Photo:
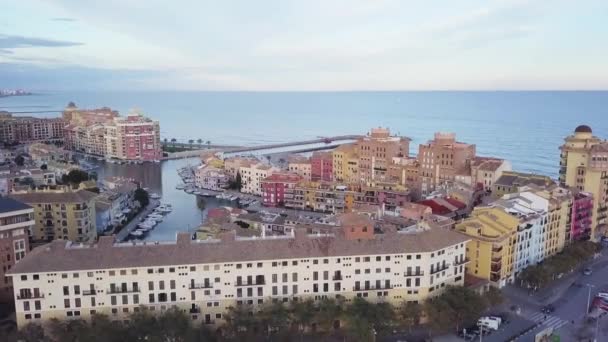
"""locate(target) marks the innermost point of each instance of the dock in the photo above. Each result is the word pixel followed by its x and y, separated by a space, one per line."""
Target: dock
pixel 326 140
pixel 132 225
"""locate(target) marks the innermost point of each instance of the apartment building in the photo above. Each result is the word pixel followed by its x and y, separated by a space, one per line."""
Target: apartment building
pixel 211 178
pixel 65 280
pixel 233 165
pixel 252 176
pixel 16 221
pixel 346 164
pixel 442 159
pixel 485 171
pixel 25 129
pixel 492 248
pixel 511 182
pixel 103 132
pixel 407 172
pixel 321 166
pixel 43 154
pixel 584 166
pixel 581 216
pixel 376 152
pixel 300 166
pixel 279 187
pixel 61 214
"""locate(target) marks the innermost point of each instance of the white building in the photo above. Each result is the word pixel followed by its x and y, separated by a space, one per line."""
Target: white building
pixel 211 178
pixel 252 176
pixel 64 280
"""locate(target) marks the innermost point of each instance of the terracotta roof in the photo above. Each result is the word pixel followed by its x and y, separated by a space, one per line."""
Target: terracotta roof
pixel 54 196
pixel 60 255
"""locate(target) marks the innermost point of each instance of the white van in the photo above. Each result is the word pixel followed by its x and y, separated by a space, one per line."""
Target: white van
pixel 489 323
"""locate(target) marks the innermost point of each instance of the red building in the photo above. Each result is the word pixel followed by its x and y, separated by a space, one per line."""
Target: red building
pixel 277 187
pixel 16 220
pixel 582 210
pixel 139 138
pixel 321 166
pixel 445 206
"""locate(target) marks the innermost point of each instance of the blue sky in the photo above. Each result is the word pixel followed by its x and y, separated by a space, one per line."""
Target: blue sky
pixel 304 45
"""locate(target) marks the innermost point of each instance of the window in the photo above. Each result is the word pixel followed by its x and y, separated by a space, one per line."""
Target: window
pixel 125 300
pixel 26 306
pixel 112 273
pixel 113 300
pixel 151 285
pixel 150 271
pixel 285 276
pixel 37 305
pixel 66 290
pixel 294 277
pixel 161 285
pixel 66 303
pixel 76 289
pixel 172 284
pixel 171 269
pixel 151 298
pixel 275 291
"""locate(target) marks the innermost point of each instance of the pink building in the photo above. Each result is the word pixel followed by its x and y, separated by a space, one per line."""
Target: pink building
pixel 278 187
pixel 582 210
pixel 321 166
pixel 138 137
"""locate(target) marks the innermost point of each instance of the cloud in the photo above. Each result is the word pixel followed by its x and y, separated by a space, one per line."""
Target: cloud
pixel 64 19
pixel 14 41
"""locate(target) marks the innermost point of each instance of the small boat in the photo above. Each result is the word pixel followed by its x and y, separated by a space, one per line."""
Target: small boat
pixel 180 187
pixel 137 233
pixel 197 192
pixel 154 196
pixel 206 194
pixel 234 198
pixel 220 196
pixel 189 191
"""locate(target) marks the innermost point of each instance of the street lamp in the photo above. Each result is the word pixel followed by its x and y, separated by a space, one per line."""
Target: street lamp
pixel 589 286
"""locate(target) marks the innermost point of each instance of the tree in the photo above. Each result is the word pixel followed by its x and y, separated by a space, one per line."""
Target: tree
pixel 19 160
pixel 199 141
pixel 191 141
pixel 173 141
pixel 456 306
pixel 75 177
pixel 273 317
pixel 328 312
pixel 493 297
pixel 165 141
pixel 302 314
pixel 142 197
pixel 239 321
pixel 32 332
pixel 410 313
pixel 44 167
pixel 208 143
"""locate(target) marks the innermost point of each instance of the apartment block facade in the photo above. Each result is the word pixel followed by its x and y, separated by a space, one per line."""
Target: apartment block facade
pixel 64 280
pixel 26 129
pixel 376 152
pixel 16 221
pixel 278 188
pixel 581 216
pixel 321 166
pixel 442 159
pixel 252 176
pixel 300 166
pixel 64 214
pixel 584 166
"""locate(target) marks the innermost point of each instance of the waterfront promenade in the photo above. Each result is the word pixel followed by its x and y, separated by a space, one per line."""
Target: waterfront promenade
pixel 123 234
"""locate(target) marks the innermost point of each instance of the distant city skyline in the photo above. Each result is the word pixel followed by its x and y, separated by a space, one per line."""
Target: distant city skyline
pixel 304 45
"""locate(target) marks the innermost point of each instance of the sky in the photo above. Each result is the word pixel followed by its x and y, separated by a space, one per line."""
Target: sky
pixel 311 45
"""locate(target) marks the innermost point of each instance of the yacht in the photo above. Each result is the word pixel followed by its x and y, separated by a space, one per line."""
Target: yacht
pixel 154 196
pixel 137 233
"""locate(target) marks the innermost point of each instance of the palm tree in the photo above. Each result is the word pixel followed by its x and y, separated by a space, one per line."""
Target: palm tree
pixel 191 141
pixel 208 143
pixel 173 141
pixel 199 141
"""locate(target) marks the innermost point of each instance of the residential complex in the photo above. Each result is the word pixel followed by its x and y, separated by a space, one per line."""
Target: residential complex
pixel 376 152
pixel 584 166
pixel 442 159
pixel 26 129
pixel 210 177
pixel 16 221
pixel 61 213
pixel 102 132
pixel 66 280
pixel 300 166
pixel 252 176
pixel 511 182
pixel 279 188
pixel 321 166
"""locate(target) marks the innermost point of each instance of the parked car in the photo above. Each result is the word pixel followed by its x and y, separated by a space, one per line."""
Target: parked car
pixel 587 271
pixel 489 323
pixel 548 309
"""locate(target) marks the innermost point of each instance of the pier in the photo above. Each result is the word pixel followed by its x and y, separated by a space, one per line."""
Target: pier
pixel 304 144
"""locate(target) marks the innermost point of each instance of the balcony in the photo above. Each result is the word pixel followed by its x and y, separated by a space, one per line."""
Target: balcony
pixel 440 269
pixel 193 286
pixel 119 290
pixel 414 274
pixel 89 292
pixel 195 310
pixel 462 262
pixel 250 284
pixel 31 296
pixel 336 277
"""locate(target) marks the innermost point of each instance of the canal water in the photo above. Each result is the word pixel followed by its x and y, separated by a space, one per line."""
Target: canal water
pixel 189 211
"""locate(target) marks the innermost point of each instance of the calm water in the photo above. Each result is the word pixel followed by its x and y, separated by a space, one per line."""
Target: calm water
pixel 188 211
pixel 524 127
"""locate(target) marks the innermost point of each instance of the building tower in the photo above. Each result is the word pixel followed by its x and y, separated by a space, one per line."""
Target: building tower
pixel 584 166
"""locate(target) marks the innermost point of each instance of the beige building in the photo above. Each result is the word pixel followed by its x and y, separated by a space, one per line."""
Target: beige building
pixel 252 176
pixel 232 165
pixel 64 214
pixel 442 159
pixel 346 163
pixel 300 166
pixel 64 280
pixel 584 166
pixel 486 171
pixel 376 152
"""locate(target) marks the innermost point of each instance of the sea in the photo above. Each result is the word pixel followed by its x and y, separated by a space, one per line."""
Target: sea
pixel 525 127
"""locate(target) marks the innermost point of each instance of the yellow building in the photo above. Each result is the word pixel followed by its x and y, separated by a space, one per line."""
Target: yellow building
pixel 511 182
pixel 345 163
pixel 61 214
pixel 491 250
pixel 584 166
